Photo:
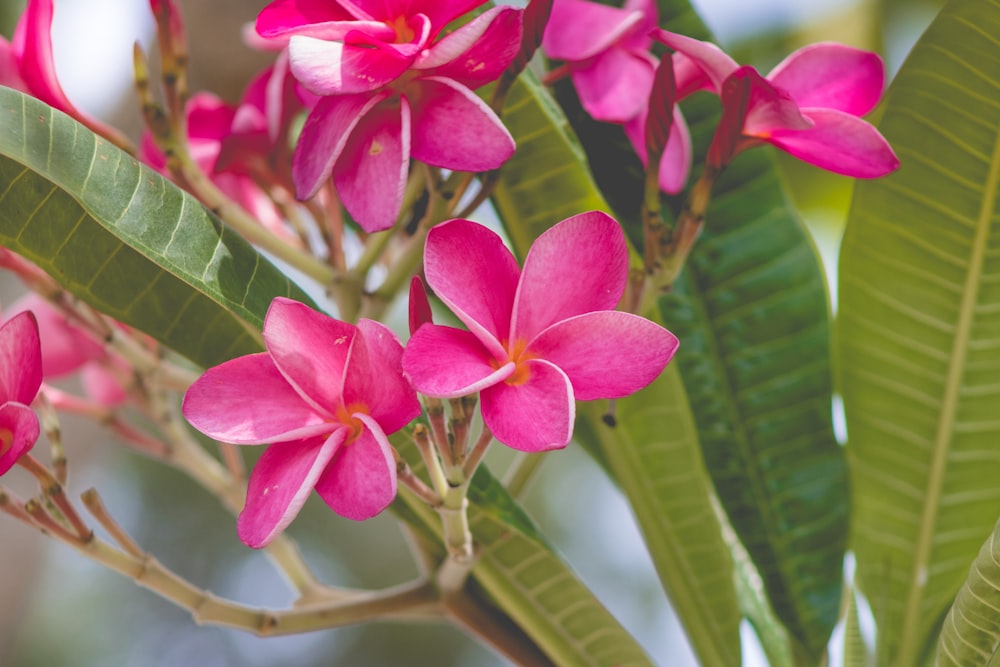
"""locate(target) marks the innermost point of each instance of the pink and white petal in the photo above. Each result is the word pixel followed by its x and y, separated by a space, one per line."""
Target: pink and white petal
pixel 578 29
pixel 20 359
pixel 280 483
pixel 474 273
pixel 841 143
pixel 834 76
pixel 769 109
pixel 246 401
pixel 310 350
pixel 614 87
pixel 325 134
pixel 65 347
pixel 577 266
pixel 453 128
pixel 19 430
pixel 448 363
pixel 479 51
pixel 675 163
pixel 283 17
pixel 608 354
pixel 375 377
pixel 361 480
pixel 713 61
pixel 534 416
pixel 370 175
pixel 335 68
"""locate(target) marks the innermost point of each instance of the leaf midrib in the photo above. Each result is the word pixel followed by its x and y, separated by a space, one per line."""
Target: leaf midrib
pixel 909 640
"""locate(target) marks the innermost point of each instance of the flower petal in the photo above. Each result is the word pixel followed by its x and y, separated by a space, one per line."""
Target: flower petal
pixel 453 128
pixel 310 350
pixel 614 87
pixel 675 163
pixel 102 385
pixel 324 136
pixel 370 175
pixel 608 354
pixel 479 51
pixel 320 18
pixel 280 483
pixel 375 377
pixel 841 143
pixel 336 68
pixel 246 401
pixel 833 76
pixel 19 431
pixel 474 273
pixel 577 266
pixel 20 359
pixel 420 312
pixel 10 70
pixel 65 347
pixel 769 109
pixel 713 61
pixel 534 416
pixel 448 363
pixel 440 12
pixel 578 29
pixel 361 480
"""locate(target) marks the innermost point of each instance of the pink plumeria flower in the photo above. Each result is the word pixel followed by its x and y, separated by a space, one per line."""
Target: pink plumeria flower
pixel 20 378
pixel 390 92
pixel 809 106
pixel 27 64
pixel 539 338
pixel 326 393
pixel 67 349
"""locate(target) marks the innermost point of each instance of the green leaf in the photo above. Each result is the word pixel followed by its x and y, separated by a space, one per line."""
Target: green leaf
pixel 127 241
pixel 653 454
pixel 971 633
pixel 528 581
pixel 917 333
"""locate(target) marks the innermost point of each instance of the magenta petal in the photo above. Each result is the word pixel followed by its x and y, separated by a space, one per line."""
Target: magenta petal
pixel 361 480
pixel 577 266
pixel 10 70
pixel 832 76
pixel 534 416
pixel 614 87
pixel 310 350
pixel 440 12
pixel 324 136
pixel 675 163
pixel 769 109
pixel 370 175
pixel 608 354
pixel 101 385
pixel 474 273
pixel 20 359
pixel 479 51
pixel 19 431
pixel 280 484
pixel 579 29
pixel 448 363
pixel 375 378
pixel 246 401
pixel 453 128
pixel 841 143
pixel 64 347
pixel 32 43
pixel 335 68
pixel 284 16
pixel 713 61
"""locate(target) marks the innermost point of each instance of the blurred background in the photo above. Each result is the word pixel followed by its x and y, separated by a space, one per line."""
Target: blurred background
pixel 58 609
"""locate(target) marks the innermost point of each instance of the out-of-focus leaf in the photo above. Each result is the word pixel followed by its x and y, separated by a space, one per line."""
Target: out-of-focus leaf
pixel 971 633
pixel 918 334
pixel 127 241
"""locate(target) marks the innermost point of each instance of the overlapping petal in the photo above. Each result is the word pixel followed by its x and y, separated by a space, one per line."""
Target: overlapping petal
pixel 478 52
pixel 361 480
pixel 714 63
pixel 335 68
pixel 375 377
pixel 577 266
pixel 474 273
pixel 280 484
pixel 833 76
pixel 448 362
pixel 595 27
pixel 320 18
pixel 606 354
pixel 246 401
pixel 533 416
pixel 19 430
pixel 454 128
pixel 615 87
pixel 20 359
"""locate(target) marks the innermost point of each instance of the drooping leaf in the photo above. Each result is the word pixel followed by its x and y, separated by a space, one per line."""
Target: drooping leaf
pixel 127 241
pixel 917 333
pixel 653 453
pixel 971 633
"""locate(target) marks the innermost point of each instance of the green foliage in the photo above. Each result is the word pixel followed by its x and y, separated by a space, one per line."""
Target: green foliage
pixel 918 330
pixel 127 241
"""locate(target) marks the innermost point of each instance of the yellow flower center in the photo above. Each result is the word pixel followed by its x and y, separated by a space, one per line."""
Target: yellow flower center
pixel 345 415
pixel 518 355
pixel 404 33
pixel 6 440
